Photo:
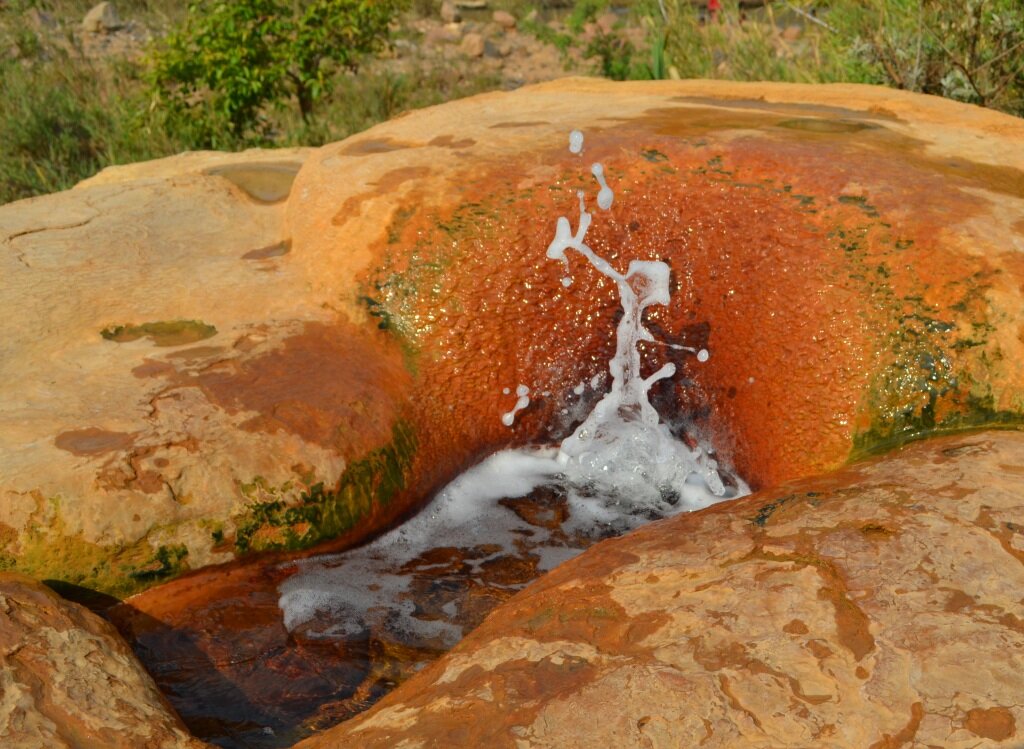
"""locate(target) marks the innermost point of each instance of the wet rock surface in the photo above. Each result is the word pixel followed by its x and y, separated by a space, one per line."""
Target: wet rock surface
pixel 878 606
pixel 216 644
pixel 67 680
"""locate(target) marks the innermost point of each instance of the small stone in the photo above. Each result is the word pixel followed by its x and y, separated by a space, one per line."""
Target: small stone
pixel 102 19
pixel 449 34
pixel 606 22
pixel 472 45
pixel 450 12
pixel 497 49
pixel 504 19
pixel 792 33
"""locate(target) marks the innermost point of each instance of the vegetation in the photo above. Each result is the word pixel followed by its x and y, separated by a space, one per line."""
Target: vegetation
pixel 230 75
pixel 230 60
pixel 971 51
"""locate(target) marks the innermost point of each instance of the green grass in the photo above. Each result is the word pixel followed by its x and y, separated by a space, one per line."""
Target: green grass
pixel 65 117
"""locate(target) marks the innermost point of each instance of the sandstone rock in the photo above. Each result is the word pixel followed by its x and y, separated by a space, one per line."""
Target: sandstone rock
pixel 101 19
pixel 849 255
pixel 472 45
pixel 68 680
pixel 504 19
pixel 448 34
pixel 876 607
pixel 154 433
pixel 881 308
pixel 450 12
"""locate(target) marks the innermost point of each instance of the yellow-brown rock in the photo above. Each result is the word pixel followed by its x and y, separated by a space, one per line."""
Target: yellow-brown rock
pixel 249 358
pixel 165 373
pixel 68 681
pixel 877 607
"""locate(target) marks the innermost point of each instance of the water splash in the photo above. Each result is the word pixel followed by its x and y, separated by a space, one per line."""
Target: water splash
pixel 576 142
pixel 622 448
pixel 522 401
pixel 620 468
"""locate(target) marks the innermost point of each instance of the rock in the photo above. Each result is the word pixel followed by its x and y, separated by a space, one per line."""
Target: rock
pixel 504 19
pixel 607 22
pixel 472 45
pixel 471 4
pixel 792 33
pixel 497 48
pixel 247 364
pixel 450 12
pixel 101 19
pixel 876 607
pixel 448 34
pixel 818 237
pixel 835 237
pixel 70 681
pixel 172 405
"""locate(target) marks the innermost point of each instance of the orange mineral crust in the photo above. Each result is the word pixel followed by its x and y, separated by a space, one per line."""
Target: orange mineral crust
pixel 838 310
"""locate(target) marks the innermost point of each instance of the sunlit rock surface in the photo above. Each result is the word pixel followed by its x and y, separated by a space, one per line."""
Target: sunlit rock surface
pixel 219 353
pixel 879 606
pixel 166 375
pixel 68 681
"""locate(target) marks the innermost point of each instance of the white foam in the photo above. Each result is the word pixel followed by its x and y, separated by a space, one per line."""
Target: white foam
pixel 336 589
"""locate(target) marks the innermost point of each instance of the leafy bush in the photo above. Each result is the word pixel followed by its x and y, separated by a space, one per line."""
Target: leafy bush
pixel 971 51
pixel 232 59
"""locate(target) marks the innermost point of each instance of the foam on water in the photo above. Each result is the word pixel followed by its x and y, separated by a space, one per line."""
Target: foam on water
pixel 620 467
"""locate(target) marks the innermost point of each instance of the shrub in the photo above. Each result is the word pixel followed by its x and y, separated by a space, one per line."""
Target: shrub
pixel 972 51
pixel 230 60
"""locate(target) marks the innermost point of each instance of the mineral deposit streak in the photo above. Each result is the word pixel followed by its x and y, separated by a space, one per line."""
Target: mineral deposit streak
pixel 622 466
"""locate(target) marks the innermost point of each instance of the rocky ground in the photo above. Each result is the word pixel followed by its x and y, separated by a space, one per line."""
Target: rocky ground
pixel 466 35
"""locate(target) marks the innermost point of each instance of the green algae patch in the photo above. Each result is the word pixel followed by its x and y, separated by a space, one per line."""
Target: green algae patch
pixel 164 333
pixel 167 562
pixel 322 514
pixel 115 570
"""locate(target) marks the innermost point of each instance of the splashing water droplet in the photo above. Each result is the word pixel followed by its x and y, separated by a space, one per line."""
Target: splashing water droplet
pixel 508 419
pixel 605 196
pixel 576 142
